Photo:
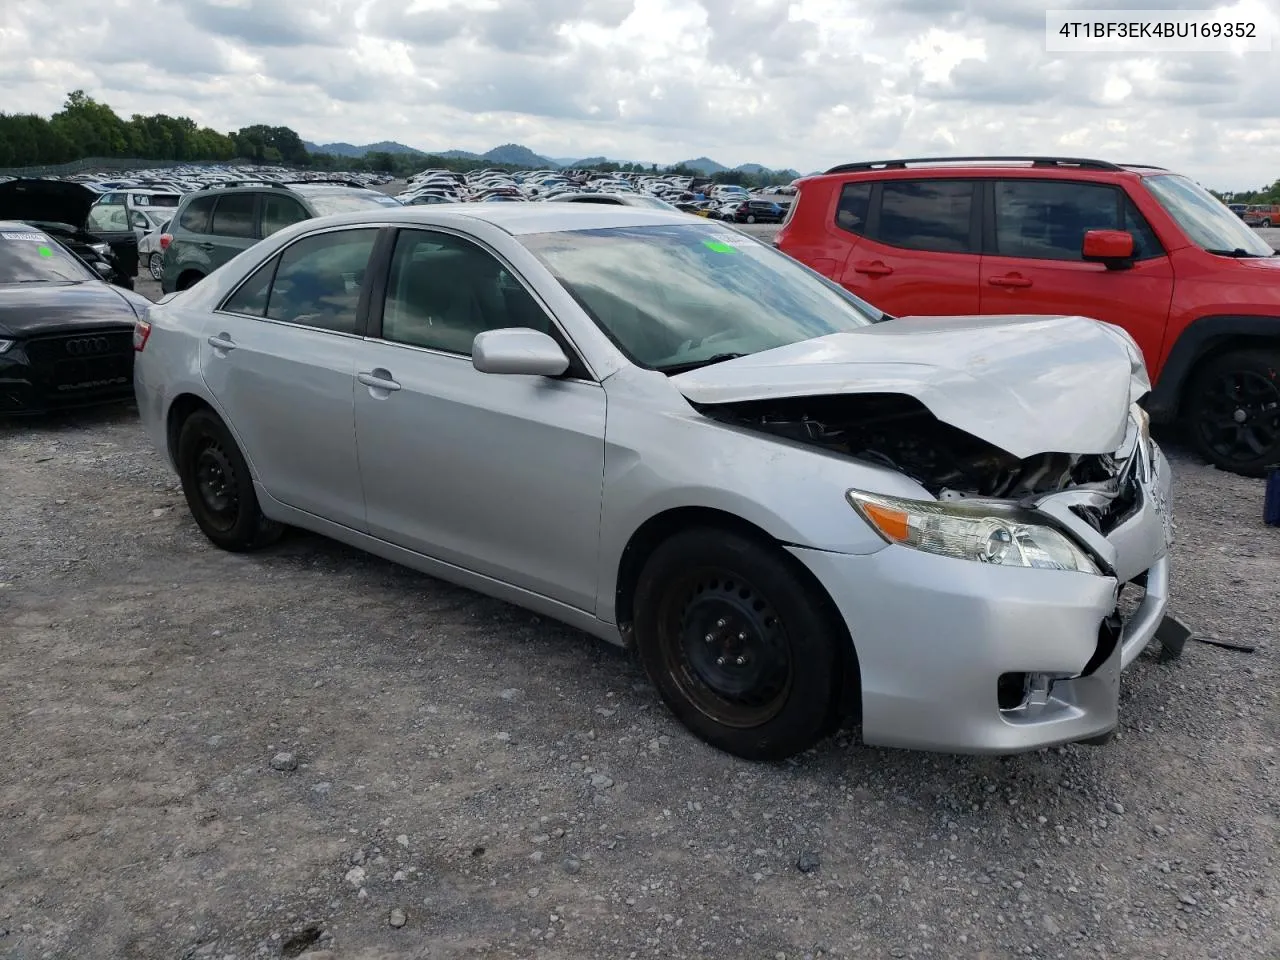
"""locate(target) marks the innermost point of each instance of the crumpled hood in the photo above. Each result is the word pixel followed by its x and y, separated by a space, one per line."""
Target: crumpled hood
pixel 1027 384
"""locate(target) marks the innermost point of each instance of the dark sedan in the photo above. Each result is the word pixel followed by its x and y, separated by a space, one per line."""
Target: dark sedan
pixel 66 336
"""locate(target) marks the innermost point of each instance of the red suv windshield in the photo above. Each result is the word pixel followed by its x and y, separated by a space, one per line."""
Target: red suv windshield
pixel 1205 219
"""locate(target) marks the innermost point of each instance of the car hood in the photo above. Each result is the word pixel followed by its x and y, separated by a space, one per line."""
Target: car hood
pixel 31 309
pixel 1027 384
pixel 58 201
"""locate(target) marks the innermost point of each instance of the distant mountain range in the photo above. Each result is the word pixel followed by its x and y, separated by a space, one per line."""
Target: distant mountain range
pixel 516 155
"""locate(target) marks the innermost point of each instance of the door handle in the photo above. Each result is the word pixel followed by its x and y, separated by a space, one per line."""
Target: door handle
pixel 1012 280
pixel 222 341
pixel 874 268
pixel 378 379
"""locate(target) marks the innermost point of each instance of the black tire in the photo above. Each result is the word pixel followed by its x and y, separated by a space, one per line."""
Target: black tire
pixel 155 265
pixel 219 488
pixel 783 695
pixel 1266 224
pixel 1233 411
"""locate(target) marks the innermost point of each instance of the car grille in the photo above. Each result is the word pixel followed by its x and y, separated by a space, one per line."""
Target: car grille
pixel 83 363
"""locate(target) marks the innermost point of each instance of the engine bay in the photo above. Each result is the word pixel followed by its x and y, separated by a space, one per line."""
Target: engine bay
pixel 899 432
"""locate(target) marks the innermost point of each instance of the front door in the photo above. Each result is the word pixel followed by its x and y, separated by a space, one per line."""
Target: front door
pixel 500 475
pixel 279 358
pixel 1036 264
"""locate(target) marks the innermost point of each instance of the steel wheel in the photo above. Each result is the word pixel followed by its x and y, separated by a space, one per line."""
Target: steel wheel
pixel 725 647
pixel 217 482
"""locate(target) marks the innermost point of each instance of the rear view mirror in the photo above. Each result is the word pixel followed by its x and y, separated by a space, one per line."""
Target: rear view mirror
pixel 518 350
pixel 1114 248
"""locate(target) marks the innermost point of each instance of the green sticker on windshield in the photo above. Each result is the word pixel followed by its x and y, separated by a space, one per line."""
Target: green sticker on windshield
pixel 45 251
pixel 719 246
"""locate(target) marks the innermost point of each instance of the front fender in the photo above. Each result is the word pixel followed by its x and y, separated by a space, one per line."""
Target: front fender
pixel 1198 339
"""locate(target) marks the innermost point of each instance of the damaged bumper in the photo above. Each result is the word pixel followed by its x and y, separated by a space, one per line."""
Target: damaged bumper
pixel 968 657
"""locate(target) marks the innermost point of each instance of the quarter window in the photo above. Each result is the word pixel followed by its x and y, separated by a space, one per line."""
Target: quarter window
pixel 444 290
pixel 279 211
pixel 233 217
pixel 927 215
pixel 198 215
pixel 319 280
pixel 1047 219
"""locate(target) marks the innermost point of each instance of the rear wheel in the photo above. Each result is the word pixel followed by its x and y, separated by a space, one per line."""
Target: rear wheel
pixel 744 650
pixel 219 488
pixel 1266 223
pixel 155 264
pixel 1233 411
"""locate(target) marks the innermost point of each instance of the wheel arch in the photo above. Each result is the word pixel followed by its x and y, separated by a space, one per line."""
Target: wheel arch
pixel 1200 342
pixel 660 527
pixel 188 279
pixel 182 406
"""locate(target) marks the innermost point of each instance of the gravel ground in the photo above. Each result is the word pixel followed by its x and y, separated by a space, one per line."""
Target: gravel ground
pixel 310 752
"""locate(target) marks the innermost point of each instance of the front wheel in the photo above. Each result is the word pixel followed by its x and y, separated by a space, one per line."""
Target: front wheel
pixel 1233 411
pixel 155 264
pixel 1266 223
pixel 219 487
pixel 743 649
pixel 751 218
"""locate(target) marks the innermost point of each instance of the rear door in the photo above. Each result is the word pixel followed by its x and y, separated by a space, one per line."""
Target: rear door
pixel 108 220
pixel 279 357
pixel 1034 235
pixel 919 247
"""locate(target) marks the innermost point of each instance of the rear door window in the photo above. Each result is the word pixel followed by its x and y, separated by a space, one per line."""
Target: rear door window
pixel 320 279
pixel 234 214
pixel 108 217
pixel 932 215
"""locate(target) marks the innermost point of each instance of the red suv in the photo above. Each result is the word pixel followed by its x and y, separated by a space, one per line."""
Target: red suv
pixel 1136 246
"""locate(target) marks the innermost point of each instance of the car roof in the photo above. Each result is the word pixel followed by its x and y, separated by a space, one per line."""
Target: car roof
pixel 518 218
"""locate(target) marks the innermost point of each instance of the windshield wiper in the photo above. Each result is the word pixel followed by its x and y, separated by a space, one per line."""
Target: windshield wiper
pixel 696 364
pixel 1238 252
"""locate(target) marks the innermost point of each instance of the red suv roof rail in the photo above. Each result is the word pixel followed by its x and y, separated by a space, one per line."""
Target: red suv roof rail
pixel 1079 162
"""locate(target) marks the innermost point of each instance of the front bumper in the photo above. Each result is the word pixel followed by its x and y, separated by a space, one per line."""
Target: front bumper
pixel 941 641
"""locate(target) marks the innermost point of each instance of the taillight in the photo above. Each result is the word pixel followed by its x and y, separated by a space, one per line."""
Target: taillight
pixel 164 240
pixel 141 331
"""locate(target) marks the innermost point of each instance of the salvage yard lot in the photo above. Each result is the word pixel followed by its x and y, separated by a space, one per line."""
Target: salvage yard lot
pixel 505 787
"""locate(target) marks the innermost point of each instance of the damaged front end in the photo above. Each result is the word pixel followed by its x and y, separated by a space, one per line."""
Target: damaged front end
pixel 901 433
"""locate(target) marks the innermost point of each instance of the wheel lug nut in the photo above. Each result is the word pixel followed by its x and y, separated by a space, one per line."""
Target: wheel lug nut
pixel 740 661
pixel 721 623
pixel 742 636
pixel 719 661
pixel 710 638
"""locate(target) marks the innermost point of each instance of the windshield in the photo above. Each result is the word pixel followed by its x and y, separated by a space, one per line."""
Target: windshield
pixel 675 296
pixel 1205 218
pixel 30 256
pixel 347 201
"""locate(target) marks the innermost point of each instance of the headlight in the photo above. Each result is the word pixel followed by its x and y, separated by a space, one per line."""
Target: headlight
pixel 5 345
pixel 971 530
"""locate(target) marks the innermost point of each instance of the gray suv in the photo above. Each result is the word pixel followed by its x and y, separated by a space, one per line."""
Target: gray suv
pixel 212 226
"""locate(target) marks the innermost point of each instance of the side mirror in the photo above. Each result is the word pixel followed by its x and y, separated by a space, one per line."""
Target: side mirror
pixel 102 267
pixel 518 350
pixel 1113 248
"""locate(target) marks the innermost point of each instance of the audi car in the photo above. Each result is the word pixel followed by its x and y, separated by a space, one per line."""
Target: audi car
pixel 66 335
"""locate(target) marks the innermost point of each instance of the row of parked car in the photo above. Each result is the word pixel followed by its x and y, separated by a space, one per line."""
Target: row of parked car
pixel 894 468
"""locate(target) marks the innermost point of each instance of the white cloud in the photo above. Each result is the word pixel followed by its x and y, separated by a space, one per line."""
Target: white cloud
pixel 800 83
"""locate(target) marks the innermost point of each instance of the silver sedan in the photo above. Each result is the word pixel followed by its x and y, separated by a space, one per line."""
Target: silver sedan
pixel 672 436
